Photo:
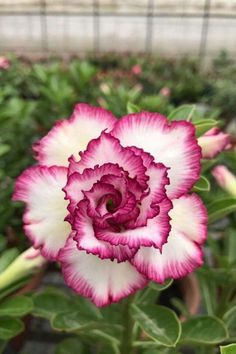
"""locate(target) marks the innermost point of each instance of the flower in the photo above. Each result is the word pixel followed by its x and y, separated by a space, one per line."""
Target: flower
pixel 28 262
pixel 213 142
pixel 165 92
pixel 109 199
pixel 225 179
pixel 4 63
pixel 136 69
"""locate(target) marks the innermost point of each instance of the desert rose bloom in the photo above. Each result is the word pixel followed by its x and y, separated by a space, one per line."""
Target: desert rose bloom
pixel 109 199
pixel 213 142
pixel 225 179
pixel 4 63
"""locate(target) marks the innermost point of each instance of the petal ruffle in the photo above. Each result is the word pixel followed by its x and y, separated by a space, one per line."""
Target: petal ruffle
pixel 155 233
pixel 72 135
pixel 103 281
pixel 106 149
pixel 172 143
pixel 86 239
pixel 182 252
pixel 40 188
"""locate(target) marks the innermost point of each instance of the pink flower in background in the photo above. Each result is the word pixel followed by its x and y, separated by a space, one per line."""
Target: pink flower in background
pixel 165 92
pixel 225 179
pixel 110 200
pixel 213 142
pixel 136 69
pixel 4 63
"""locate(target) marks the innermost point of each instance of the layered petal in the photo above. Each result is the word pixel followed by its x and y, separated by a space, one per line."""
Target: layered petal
pixel 172 143
pixel 41 189
pixel 182 252
pixel 106 149
pixel 213 142
pixel 86 239
pixel 102 281
pixel 81 182
pixel 155 233
pixel 72 135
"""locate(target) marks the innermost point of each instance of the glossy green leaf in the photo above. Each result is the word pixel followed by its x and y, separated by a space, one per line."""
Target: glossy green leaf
pixel 184 112
pixel 132 108
pixel 160 323
pixel 70 321
pixel 230 317
pixel 228 349
pixel 16 306
pixel 10 327
pixel 204 125
pixel 220 208
pixel 204 330
pixel 161 287
pixel 49 303
pixel 68 346
pixel 202 185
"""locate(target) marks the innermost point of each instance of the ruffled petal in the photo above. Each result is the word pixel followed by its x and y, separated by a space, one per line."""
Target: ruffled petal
pixel 102 281
pixel 72 135
pixel 182 252
pixel 172 143
pixel 106 149
pixel 86 240
pixel 40 188
pixel 155 233
pixel 78 183
pixel 149 206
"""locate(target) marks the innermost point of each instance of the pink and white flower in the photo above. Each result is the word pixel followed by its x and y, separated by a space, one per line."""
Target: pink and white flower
pixel 111 201
pixel 213 142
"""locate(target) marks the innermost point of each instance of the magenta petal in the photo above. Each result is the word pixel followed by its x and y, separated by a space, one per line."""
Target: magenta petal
pixel 182 252
pixel 70 136
pixel 106 149
pixel 155 233
pixel 40 187
pixel 77 182
pixel 102 281
pixel 172 143
pixel 86 239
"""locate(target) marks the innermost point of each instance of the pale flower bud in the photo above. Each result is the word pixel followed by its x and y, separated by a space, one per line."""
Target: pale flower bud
pixel 225 179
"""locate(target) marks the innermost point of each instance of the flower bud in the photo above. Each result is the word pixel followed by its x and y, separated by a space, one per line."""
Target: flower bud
pixel 4 63
pixel 213 142
pixel 225 179
pixel 25 264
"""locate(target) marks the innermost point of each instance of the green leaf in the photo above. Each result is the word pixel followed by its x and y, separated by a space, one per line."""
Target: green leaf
pixel 202 185
pixel 132 108
pixel 184 112
pixel 68 346
pixel 49 303
pixel 220 208
pixel 10 327
pixel 160 323
pixel 204 330
pixel 230 317
pixel 70 321
pixel 204 125
pixel 4 148
pixel 16 306
pixel 228 349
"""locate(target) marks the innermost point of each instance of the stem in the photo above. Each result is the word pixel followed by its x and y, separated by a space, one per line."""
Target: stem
pixel 128 323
